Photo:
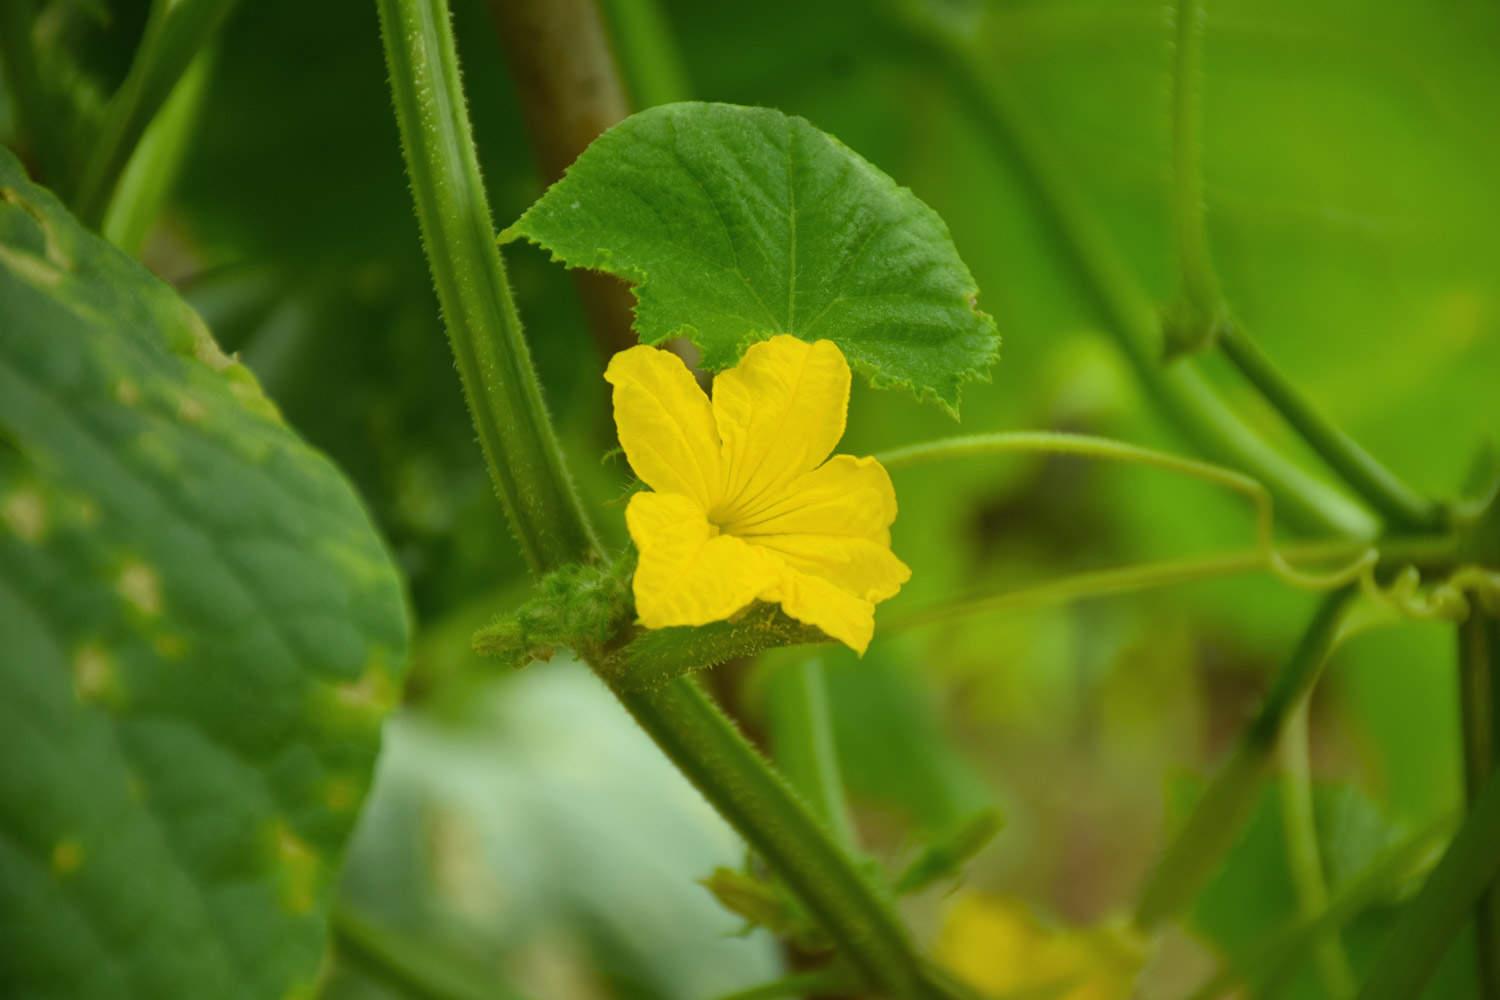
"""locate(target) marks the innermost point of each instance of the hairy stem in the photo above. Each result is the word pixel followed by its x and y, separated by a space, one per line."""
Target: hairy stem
pixel 1378 486
pixel 521 451
pixel 754 799
pixel 484 329
pixel 1198 848
pixel 176 31
pixel 1180 391
pixel 1479 691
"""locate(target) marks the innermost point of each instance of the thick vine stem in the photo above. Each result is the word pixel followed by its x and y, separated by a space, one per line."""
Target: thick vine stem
pixel 1197 849
pixel 755 800
pixel 1479 692
pixel 484 329
pixel 1195 318
pixel 1179 390
pixel 529 472
pixel 1430 923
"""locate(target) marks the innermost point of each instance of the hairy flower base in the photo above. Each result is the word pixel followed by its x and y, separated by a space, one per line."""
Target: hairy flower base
pixel 745 506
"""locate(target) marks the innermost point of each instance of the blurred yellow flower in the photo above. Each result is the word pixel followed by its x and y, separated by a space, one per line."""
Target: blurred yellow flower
pixel 745 506
pixel 997 946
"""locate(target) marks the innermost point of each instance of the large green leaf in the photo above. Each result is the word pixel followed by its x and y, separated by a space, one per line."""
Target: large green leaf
pixel 738 223
pixel 202 634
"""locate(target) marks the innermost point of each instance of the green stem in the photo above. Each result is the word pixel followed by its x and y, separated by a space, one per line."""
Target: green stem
pixel 1394 500
pixel 1200 284
pixel 1110 583
pixel 1180 390
pixel 148 178
pixel 484 329
pixel 1276 956
pixel 1435 551
pixel 411 967
pixel 1204 311
pixel 176 31
pixel 754 799
pixel 1305 857
pixel 1198 848
pixel 1430 922
pixel 521 451
pixel 569 90
pixel 1479 689
pixel 1089 446
pixel 643 39
pixel 802 984
pixel 802 742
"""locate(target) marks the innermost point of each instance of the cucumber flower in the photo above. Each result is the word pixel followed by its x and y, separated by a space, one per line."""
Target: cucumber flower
pixel 745 508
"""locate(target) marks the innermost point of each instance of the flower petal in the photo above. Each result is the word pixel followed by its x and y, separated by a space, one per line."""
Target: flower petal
pixel 867 570
pixel 814 601
pixel 779 412
pixel 846 497
pixel 688 573
pixel 666 424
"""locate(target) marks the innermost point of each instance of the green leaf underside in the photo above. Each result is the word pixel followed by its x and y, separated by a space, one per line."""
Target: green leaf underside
pixel 735 224
pixel 201 636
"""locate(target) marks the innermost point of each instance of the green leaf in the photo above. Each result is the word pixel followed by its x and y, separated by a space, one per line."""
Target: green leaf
pixel 736 223
pixel 202 635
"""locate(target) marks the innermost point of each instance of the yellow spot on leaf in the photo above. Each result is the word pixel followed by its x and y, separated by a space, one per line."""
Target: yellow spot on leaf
pixel 341 794
pixel 1000 948
pixel 140 586
pixel 191 410
pixel 33 270
pixel 25 513
pixel 300 866
pixel 67 857
pixel 374 693
pixel 127 393
pixel 94 675
pixel 169 645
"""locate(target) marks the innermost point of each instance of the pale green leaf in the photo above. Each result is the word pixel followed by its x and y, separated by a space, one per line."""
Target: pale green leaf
pixel 201 636
pixel 737 223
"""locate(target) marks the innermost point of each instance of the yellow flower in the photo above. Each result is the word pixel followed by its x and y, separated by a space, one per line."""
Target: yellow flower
pixel 745 506
pixel 999 947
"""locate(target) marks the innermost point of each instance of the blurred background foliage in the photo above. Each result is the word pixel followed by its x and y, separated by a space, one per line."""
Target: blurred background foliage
pixel 1349 156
